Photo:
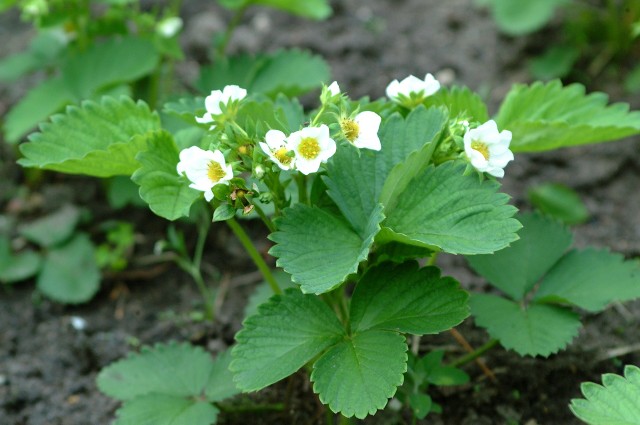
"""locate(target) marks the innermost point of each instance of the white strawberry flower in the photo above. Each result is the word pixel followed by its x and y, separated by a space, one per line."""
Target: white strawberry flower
pixel 488 149
pixel 169 27
pixel 225 96
pixel 312 146
pixel 277 148
pixel 412 91
pixel 334 89
pixel 362 130
pixel 204 169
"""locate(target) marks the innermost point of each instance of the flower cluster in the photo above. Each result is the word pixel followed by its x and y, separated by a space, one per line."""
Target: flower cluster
pixel 305 150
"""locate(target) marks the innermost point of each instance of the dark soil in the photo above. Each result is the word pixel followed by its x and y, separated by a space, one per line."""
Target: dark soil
pixel 48 367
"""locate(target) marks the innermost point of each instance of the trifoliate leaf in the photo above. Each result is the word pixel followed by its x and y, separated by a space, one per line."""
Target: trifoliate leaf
pixel 167 193
pixel 356 178
pixel 288 331
pixel 107 64
pixel 161 409
pixel 168 384
pixel 443 209
pixel 36 106
pixel 460 102
pixel 53 228
pixel 549 116
pixel 591 279
pixel 615 402
pixel 559 201
pixel 96 139
pixel 69 273
pixel 16 267
pixel 535 330
pixel 180 370
pixel 357 376
pixel 404 298
pixel 515 269
pixel 319 249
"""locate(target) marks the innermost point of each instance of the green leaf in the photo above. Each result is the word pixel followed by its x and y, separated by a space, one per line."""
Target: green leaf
pixel 416 162
pixel 537 330
pixel 549 116
pixel 96 139
pixel 404 298
pixel 39 103
pixel 420 404
pixel 355 178
pixel 516 269
pixel 17 267
pixel 460 102
pixel 288 331
pixel 107 64
pixel 443 376
pixel 186 108
pixel 319 249
pixel 591 279
pixel 520 18
pixel 168 384
pixel 292 72
pixel 357 376
pixel 446 210
pixel 560 202
pixel 177 370
pixel 556 62
pixel 314 9
pixel 263 292
pixel 42 52
pixel 615 402
pixel 53 228
pixel 161 409
pixel 70 273
pixel 167 193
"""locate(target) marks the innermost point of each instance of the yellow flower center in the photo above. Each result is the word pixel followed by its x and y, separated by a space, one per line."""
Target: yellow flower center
pixel 481 147
pixel 350 128
pixel 309 148
pixel 215 172
pixel 281 155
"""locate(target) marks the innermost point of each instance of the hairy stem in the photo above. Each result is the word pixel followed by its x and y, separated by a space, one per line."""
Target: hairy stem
pixel 254 254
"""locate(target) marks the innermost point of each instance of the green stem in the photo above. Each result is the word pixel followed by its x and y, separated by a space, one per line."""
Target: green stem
pixel 266 220
pixel 475 354
pixel 254 254
pixel 235 21
pixel 196 275
pixel 301 181
pixel 432 259
pixel 318 115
